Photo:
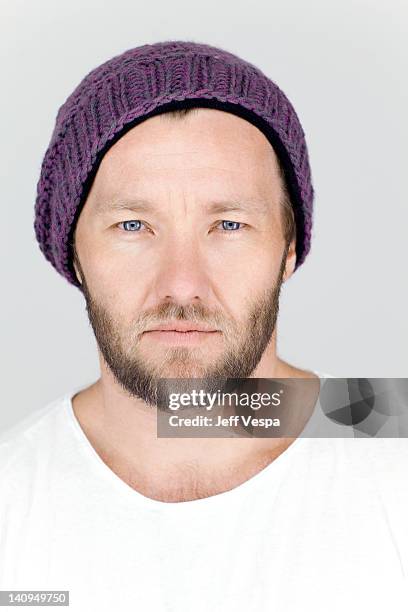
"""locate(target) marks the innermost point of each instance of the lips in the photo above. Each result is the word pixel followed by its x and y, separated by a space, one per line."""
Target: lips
pixel 173 338
pixel 182 327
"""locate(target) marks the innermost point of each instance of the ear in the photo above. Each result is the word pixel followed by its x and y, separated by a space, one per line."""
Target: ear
pixel 76 259
pixel 77 273
pixel 76 262
pixel 290 260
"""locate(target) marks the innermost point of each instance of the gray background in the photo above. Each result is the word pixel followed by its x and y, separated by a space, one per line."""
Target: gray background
pixel 344 67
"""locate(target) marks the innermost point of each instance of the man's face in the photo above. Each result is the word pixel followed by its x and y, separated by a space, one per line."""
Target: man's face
pixel 183 224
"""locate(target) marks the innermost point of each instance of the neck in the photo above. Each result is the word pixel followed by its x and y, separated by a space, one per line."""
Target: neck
pixel 123 431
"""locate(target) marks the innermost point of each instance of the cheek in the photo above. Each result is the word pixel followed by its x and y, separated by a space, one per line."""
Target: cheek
pixel 117 285
pixel 248 269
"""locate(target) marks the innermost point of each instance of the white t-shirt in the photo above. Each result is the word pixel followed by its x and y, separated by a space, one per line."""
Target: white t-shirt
pixel 324 527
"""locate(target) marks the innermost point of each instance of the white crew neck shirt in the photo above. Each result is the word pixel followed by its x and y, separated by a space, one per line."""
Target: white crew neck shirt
pixel 322 527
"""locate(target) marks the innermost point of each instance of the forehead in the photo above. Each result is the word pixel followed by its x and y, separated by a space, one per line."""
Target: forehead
pixel 164 141
pixel 213 153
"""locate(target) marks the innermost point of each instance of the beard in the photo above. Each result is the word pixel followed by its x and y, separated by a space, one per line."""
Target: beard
pixel 152 380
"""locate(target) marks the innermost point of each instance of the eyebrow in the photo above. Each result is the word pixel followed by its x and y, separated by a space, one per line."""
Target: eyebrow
pixel 258 205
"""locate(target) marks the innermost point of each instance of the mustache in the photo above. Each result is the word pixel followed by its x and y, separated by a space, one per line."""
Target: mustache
pixel 196 314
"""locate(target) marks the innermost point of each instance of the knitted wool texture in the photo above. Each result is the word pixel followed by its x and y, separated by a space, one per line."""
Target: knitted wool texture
pixel 142 82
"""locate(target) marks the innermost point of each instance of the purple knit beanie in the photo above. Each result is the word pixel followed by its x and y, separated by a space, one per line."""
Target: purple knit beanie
pixel 140 83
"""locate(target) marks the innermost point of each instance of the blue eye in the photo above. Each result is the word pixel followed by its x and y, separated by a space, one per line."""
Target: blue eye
pixel 231 223
pixel 131 226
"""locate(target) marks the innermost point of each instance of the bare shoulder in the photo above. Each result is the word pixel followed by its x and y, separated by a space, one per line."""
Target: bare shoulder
pixel 287 370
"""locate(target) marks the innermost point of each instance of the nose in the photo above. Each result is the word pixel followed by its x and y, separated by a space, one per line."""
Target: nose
pixel 183 276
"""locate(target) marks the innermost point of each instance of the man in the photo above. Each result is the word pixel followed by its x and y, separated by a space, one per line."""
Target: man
pixel 176 194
